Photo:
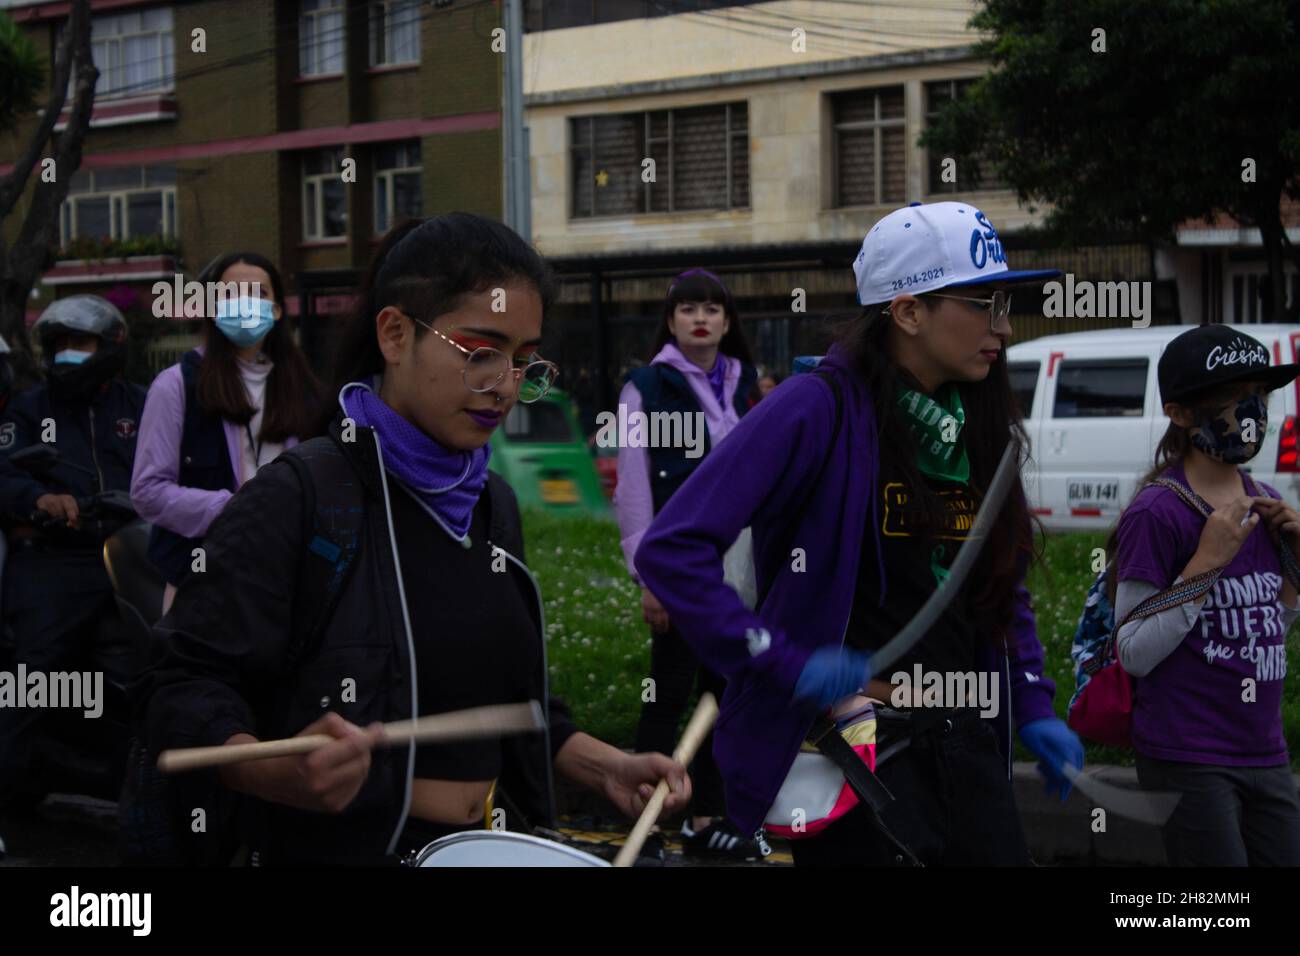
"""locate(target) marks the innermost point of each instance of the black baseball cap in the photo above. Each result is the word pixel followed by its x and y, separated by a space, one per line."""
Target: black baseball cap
pixel 1212 355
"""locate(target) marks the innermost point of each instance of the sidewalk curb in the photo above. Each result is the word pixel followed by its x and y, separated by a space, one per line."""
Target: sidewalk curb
pixel 1057 832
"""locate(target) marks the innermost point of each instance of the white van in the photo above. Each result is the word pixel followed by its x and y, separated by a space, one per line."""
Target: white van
pixel 1093 413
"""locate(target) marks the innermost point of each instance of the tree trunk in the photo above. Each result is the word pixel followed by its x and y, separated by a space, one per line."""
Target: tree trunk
pixel 22 264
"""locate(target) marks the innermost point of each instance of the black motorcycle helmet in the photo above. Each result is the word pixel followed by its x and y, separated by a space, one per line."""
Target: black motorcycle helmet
pixel 81 315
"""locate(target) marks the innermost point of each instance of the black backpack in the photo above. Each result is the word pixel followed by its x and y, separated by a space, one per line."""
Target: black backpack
pixel 154 824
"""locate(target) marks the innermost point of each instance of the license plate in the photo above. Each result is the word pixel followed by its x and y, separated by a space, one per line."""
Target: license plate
pixel 559 491
pixel 1092 493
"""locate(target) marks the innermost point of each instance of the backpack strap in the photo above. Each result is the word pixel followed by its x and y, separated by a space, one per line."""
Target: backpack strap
pixel 332 532
pixel 792 526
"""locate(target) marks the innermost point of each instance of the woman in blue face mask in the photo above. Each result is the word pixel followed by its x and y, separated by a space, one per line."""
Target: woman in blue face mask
pixel 217 416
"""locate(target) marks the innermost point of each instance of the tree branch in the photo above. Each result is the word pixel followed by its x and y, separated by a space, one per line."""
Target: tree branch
pixel 41 223
pixel 11 186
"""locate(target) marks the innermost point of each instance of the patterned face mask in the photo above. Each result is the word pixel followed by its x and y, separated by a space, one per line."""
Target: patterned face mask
pixel 1218 431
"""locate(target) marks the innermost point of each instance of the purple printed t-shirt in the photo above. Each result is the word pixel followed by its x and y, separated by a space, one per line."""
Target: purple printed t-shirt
pixel 1195 706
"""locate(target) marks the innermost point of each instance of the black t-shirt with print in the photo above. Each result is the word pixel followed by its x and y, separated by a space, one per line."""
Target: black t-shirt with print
pixel 911 560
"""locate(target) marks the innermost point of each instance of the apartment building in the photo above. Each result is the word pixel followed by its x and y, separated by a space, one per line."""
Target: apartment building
pixel 300 129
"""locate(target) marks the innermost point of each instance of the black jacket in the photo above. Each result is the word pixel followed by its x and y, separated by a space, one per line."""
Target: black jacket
pixel 228 662
pixel 112 418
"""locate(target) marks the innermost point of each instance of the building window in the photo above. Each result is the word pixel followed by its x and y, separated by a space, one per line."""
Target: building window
pixel 120 203
pixel 938 95
pixel 320 38
pixel 324 199
pixel 133 52
pixel 394 32
pixel 701 161
pixel 397 184
pixel 870 147
pixel 1249 299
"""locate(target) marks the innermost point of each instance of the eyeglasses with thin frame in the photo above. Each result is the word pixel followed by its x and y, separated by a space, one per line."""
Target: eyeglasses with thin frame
pixel 998 307
pixel 486 368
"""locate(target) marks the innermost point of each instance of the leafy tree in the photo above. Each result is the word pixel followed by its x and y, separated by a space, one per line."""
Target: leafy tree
pixel 1179 110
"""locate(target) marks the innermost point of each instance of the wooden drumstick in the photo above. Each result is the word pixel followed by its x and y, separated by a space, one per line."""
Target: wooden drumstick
pixel 706 712
pixel 495 721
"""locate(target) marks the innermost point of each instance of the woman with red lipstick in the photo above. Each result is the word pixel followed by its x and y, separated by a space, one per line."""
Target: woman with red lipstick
pixel 701 368
pixel 436 610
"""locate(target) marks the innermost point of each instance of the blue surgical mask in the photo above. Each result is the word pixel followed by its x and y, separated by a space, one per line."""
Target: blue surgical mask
pixel 71 357
pixel 245 320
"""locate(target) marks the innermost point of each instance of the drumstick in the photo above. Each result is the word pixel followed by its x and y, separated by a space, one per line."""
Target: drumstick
pixel 495 721
pixel 706 712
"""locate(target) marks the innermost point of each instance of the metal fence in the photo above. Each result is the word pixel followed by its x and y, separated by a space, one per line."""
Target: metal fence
pixel 166 350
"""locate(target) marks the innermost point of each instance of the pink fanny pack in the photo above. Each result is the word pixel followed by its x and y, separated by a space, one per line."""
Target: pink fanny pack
pixel 815 793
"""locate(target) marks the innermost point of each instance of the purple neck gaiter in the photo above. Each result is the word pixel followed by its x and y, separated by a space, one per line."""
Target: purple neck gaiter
pixel 448 483
pixel 717 375
pixel 718 378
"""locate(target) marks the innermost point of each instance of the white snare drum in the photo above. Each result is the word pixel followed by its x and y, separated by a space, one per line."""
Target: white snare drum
pixel 502 848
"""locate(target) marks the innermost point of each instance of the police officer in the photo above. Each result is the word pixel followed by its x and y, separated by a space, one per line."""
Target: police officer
pixel 56 589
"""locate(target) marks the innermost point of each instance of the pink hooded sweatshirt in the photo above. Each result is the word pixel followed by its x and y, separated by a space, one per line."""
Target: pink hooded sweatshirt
pixel 633 503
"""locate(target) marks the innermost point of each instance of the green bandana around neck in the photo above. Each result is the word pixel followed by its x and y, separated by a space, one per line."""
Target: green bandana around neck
pixel 932 420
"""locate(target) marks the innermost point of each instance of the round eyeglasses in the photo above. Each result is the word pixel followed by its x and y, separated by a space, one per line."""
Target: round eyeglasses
pixel 486 368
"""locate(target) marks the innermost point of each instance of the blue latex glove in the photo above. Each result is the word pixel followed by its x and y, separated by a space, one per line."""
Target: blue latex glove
pixel 1055 744
pixel 832 673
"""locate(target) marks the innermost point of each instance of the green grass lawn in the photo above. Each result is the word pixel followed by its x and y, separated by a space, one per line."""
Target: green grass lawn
pixel 600 648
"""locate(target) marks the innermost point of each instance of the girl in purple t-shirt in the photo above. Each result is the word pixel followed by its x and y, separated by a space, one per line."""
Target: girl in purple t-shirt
pixel 1207 718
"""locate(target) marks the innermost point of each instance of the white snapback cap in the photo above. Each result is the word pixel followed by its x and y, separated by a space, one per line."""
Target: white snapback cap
pixel 929 246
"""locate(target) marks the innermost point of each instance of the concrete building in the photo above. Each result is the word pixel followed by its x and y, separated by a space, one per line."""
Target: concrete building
pixel 1221 272
pixel 775 134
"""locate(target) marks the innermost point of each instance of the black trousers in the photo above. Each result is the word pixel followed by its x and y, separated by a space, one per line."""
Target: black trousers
pixel 53 602
pixel 1228 816
pixel 953 806
pixel 675 669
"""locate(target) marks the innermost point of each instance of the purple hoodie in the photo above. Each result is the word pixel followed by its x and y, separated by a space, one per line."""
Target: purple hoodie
pixel 756 477
pixel 633 501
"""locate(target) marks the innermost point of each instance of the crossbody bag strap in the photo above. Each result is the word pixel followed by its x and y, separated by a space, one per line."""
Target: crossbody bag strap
pixel 1290 566
pixel 1191 589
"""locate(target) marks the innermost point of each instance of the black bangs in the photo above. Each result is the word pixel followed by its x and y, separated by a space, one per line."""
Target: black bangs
pixel 697 288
